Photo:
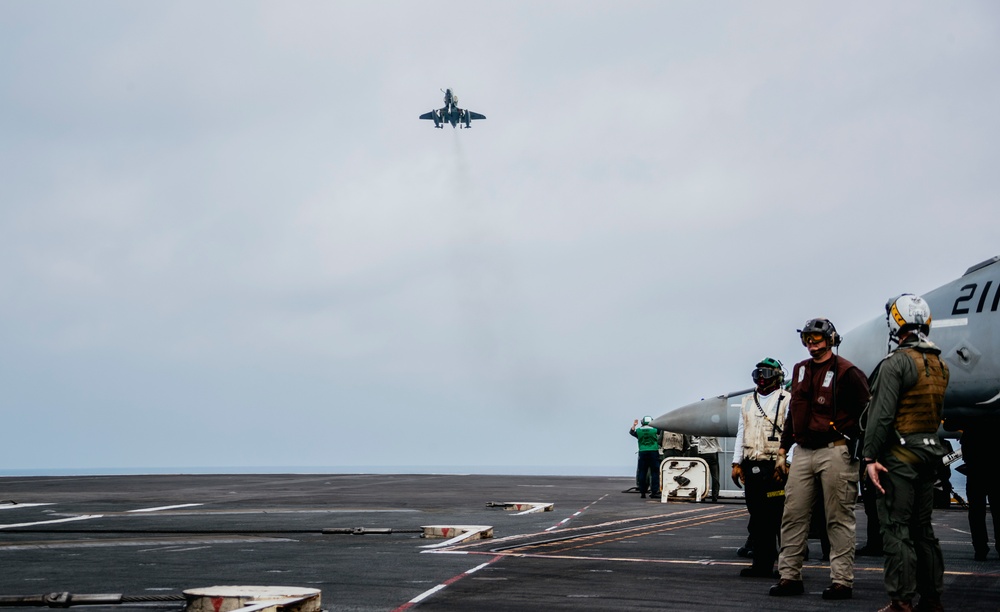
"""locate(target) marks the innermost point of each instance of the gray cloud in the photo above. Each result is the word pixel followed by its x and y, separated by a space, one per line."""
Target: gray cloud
pixel 222 223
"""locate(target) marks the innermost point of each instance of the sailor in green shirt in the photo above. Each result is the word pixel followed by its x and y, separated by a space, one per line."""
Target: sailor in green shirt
pixel 649 457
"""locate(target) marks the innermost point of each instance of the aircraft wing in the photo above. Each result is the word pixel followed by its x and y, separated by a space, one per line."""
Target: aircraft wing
pixel 473 115
pixel 435 116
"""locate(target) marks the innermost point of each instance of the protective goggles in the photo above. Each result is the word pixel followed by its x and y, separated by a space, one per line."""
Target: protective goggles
pixel 765 374
pixel 810 338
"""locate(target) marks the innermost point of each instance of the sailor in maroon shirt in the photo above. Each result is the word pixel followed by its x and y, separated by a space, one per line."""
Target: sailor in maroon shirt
pixel 828 395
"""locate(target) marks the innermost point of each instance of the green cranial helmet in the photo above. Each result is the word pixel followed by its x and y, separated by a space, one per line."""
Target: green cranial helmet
pixel 767 362
pixel 768 371
pixel 646 420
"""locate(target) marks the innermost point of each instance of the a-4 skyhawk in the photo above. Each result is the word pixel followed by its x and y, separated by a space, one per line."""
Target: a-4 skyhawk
pixel 451 113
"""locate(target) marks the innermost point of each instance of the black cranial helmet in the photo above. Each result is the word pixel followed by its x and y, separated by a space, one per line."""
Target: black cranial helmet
pixel 819 326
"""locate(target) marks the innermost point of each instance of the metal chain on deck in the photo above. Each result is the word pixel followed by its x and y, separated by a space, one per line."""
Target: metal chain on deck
pixel 66 599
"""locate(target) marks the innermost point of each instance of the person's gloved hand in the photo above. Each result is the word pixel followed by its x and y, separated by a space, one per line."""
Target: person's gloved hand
pixel 781 466
pixel 738 475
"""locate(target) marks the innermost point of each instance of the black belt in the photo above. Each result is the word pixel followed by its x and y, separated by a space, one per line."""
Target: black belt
pixel 838 442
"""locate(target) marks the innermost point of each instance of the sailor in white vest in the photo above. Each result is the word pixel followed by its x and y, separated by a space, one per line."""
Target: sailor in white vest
pixel 758 438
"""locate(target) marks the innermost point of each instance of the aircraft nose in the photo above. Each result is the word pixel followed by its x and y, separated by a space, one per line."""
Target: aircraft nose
pixel 708 417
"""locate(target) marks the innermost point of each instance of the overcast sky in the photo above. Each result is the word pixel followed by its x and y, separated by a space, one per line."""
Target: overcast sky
pixel 226 240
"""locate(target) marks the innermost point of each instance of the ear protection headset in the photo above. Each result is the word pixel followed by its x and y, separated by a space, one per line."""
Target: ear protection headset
pixel 821 326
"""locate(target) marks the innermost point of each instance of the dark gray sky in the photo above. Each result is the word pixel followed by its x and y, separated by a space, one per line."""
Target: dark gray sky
pixel 226 240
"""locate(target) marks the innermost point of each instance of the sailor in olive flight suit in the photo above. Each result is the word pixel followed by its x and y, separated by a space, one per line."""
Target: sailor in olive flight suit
pixel 903 453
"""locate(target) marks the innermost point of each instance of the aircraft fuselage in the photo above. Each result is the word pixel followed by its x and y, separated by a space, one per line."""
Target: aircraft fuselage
pixel 963 325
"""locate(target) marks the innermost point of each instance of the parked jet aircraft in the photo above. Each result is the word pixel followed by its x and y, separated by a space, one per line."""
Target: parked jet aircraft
pixel 451 113
pixel 963 325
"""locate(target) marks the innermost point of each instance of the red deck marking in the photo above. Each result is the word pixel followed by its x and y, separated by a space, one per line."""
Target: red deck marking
pixel 445 584
pixel 575 514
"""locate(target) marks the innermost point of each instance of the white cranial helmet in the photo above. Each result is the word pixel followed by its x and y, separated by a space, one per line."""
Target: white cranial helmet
pixel 907 313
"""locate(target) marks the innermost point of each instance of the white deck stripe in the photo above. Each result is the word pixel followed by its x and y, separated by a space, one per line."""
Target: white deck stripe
pixel 63 520
pixel 145 542
pixel 427 594
pixel 575 514
pixel 165 508
pixel 477 568
pixel 449 582
pixel 9 506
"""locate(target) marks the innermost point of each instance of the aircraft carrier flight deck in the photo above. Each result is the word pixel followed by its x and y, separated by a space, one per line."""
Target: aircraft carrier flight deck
pixel 531 543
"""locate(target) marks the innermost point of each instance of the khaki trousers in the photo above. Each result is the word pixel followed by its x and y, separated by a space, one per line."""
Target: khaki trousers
pixel 831 468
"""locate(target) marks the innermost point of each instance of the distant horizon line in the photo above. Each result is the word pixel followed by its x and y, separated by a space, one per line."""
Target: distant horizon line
pixel 492 470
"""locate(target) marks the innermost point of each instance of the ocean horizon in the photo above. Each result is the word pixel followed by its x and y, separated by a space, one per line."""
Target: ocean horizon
pixel 494 470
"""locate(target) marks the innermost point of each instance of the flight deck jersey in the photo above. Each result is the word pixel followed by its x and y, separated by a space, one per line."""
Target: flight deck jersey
pixel 647 438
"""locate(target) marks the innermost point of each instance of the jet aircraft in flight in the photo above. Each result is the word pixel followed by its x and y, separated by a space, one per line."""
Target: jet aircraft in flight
pixel 963 325
pixel 451 113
